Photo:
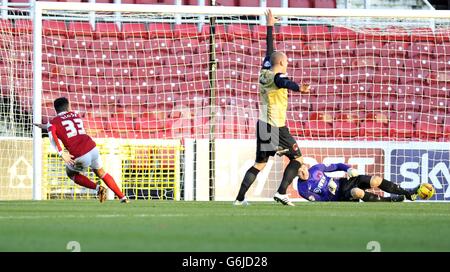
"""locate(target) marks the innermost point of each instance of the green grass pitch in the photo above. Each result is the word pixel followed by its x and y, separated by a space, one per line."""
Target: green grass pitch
pixel 219 226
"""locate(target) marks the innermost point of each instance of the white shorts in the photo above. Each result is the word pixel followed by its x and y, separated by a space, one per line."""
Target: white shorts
pixel 91 159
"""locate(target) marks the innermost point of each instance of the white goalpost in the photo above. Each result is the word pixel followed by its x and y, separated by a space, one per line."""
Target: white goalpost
pixel 170 93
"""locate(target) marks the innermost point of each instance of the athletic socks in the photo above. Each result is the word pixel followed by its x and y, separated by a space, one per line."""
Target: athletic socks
pixel 248 180
pixel 289 174
pixel 393 188
pixel 109 181
pixel 84 181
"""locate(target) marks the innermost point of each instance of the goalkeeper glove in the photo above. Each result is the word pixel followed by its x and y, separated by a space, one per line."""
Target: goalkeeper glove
pixel 351 172
pixel 332 186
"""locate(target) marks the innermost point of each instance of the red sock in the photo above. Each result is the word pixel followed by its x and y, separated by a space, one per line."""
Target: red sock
pixel 109 181
pixel 84 181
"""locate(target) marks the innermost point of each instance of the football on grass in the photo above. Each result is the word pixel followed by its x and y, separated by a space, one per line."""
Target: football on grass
pixel 425 191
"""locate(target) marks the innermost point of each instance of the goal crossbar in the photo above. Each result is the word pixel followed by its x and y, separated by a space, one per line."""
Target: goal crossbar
pixel 239 11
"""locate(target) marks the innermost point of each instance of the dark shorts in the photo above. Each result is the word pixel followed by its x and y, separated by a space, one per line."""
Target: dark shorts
pixel 270 139
pixel 346 185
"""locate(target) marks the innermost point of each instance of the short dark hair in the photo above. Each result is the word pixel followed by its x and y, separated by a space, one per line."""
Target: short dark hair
pixel 61 104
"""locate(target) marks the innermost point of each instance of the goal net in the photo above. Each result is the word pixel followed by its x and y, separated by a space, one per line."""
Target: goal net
pixel 189 75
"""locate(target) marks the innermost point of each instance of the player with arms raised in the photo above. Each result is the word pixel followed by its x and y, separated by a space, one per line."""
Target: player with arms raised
pixel 82 153
pixel 315 185
pixel 272 135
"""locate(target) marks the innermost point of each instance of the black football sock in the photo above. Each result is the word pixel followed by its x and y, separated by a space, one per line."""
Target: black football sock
pixel 289 174
pixel 249 178
pixel 393 188
pixel 371 197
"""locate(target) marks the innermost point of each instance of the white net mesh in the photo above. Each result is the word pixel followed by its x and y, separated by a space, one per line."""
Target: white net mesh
pixel 379 96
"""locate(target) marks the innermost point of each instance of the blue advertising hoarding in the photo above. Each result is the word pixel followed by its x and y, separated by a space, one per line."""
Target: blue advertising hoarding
pixel 410 167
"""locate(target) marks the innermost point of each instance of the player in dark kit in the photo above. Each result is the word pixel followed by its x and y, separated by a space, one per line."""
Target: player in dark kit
pixel 272 135
pixel 315 185
pixel 81 153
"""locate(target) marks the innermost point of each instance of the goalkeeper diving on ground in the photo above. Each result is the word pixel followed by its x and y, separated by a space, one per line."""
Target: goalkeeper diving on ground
pixel 314 184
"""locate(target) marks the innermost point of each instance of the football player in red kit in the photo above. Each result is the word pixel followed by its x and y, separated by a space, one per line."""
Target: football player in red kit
pixel 81 152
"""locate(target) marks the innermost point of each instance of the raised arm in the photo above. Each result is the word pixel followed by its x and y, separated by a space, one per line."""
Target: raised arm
pixel 270 20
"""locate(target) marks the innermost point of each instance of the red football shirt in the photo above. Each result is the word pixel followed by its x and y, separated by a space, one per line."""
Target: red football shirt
pixel 68 127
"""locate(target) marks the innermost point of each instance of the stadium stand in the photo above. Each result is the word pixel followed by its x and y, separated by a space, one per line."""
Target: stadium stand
pixel 349 68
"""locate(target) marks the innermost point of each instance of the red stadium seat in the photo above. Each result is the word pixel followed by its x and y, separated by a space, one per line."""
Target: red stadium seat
pixel 105 43
pixel 430 104
pixel 80 29
pixel 351 102
pixel 428 131
pixel 341 34
pixel 301 4
pixel 226 2
pixel 319 32
pixel 324 103
pixel 54 28
pixel 326 89
pixel 23 26
pixel 220 33
pixel 383 90
pixel 369 48
pixel 79 43
pixel 346 124
pixel 291 48
pixel 310 76
pixel 378 103
pixel 290 32
pixel 309 63
pixel 400 128
pixel 423 34
pixel 324 3
pixel 160 30
pixel 334 75
pixel 237 46
pixel 236 31
pixel 106 30
pixel 147 2
pixel 442 49
pixel 409 90
pixel 436 117
pixel 319 125
pixel 395 49
pixel 421 49
pixel 341 62
pixel 387 34
pixel 259 34
pixel 422 62
pixel 186 31
pixel 408 103
pixel 54 42
pixel 342 48
pixel 375 125
pixel 274 3
pixel 410 76
pixel 386 76
pixel 94 125
pixel 248 3
pixel 362 75
pixel 134 30
pixel 317 47
pixel 5 25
